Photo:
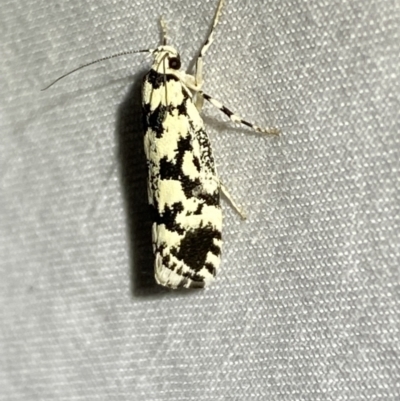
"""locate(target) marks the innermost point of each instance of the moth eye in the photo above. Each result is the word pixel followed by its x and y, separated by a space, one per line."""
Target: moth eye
pixel 174 63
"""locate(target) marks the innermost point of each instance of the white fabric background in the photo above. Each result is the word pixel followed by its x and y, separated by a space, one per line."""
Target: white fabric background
pixel 306 304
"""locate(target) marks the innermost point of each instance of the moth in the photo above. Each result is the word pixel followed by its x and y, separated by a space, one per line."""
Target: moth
pixel 183 185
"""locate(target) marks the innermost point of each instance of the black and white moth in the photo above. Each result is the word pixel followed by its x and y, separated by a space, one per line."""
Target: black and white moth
pixel 183 185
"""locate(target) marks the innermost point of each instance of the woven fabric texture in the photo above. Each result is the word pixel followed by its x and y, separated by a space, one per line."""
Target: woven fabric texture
pixel 306 304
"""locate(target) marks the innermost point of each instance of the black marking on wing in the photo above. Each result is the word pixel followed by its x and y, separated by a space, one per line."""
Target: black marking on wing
pixel 211 268
pixel 154 119
pixel 210 199
pixel 169 218
pixel 184 145
pixel 190 186
pixel 197 280
pixel 215 249
pixel 195 246
pixel 166 259
pixel 182 109
pixel 206 156
pixel 156 80
pixel 196 163
pixel 172 170
pixel 169 170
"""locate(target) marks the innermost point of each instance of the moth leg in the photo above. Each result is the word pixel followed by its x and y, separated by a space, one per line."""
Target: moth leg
pixel 199 100
pixel 207 44
pixel 236 119
pixel 189 82
pixel 230 199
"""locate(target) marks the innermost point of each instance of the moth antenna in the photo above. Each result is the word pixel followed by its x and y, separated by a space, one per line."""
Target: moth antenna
pixel 98 61
pixel 164 37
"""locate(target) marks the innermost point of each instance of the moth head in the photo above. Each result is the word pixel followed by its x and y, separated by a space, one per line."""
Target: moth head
pixel 166 58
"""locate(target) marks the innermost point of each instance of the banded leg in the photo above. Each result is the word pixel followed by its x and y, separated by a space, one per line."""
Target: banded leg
pixel 207 44
pixel 236 119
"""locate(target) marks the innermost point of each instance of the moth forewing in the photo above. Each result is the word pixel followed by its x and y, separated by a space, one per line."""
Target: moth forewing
pixel 183 185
